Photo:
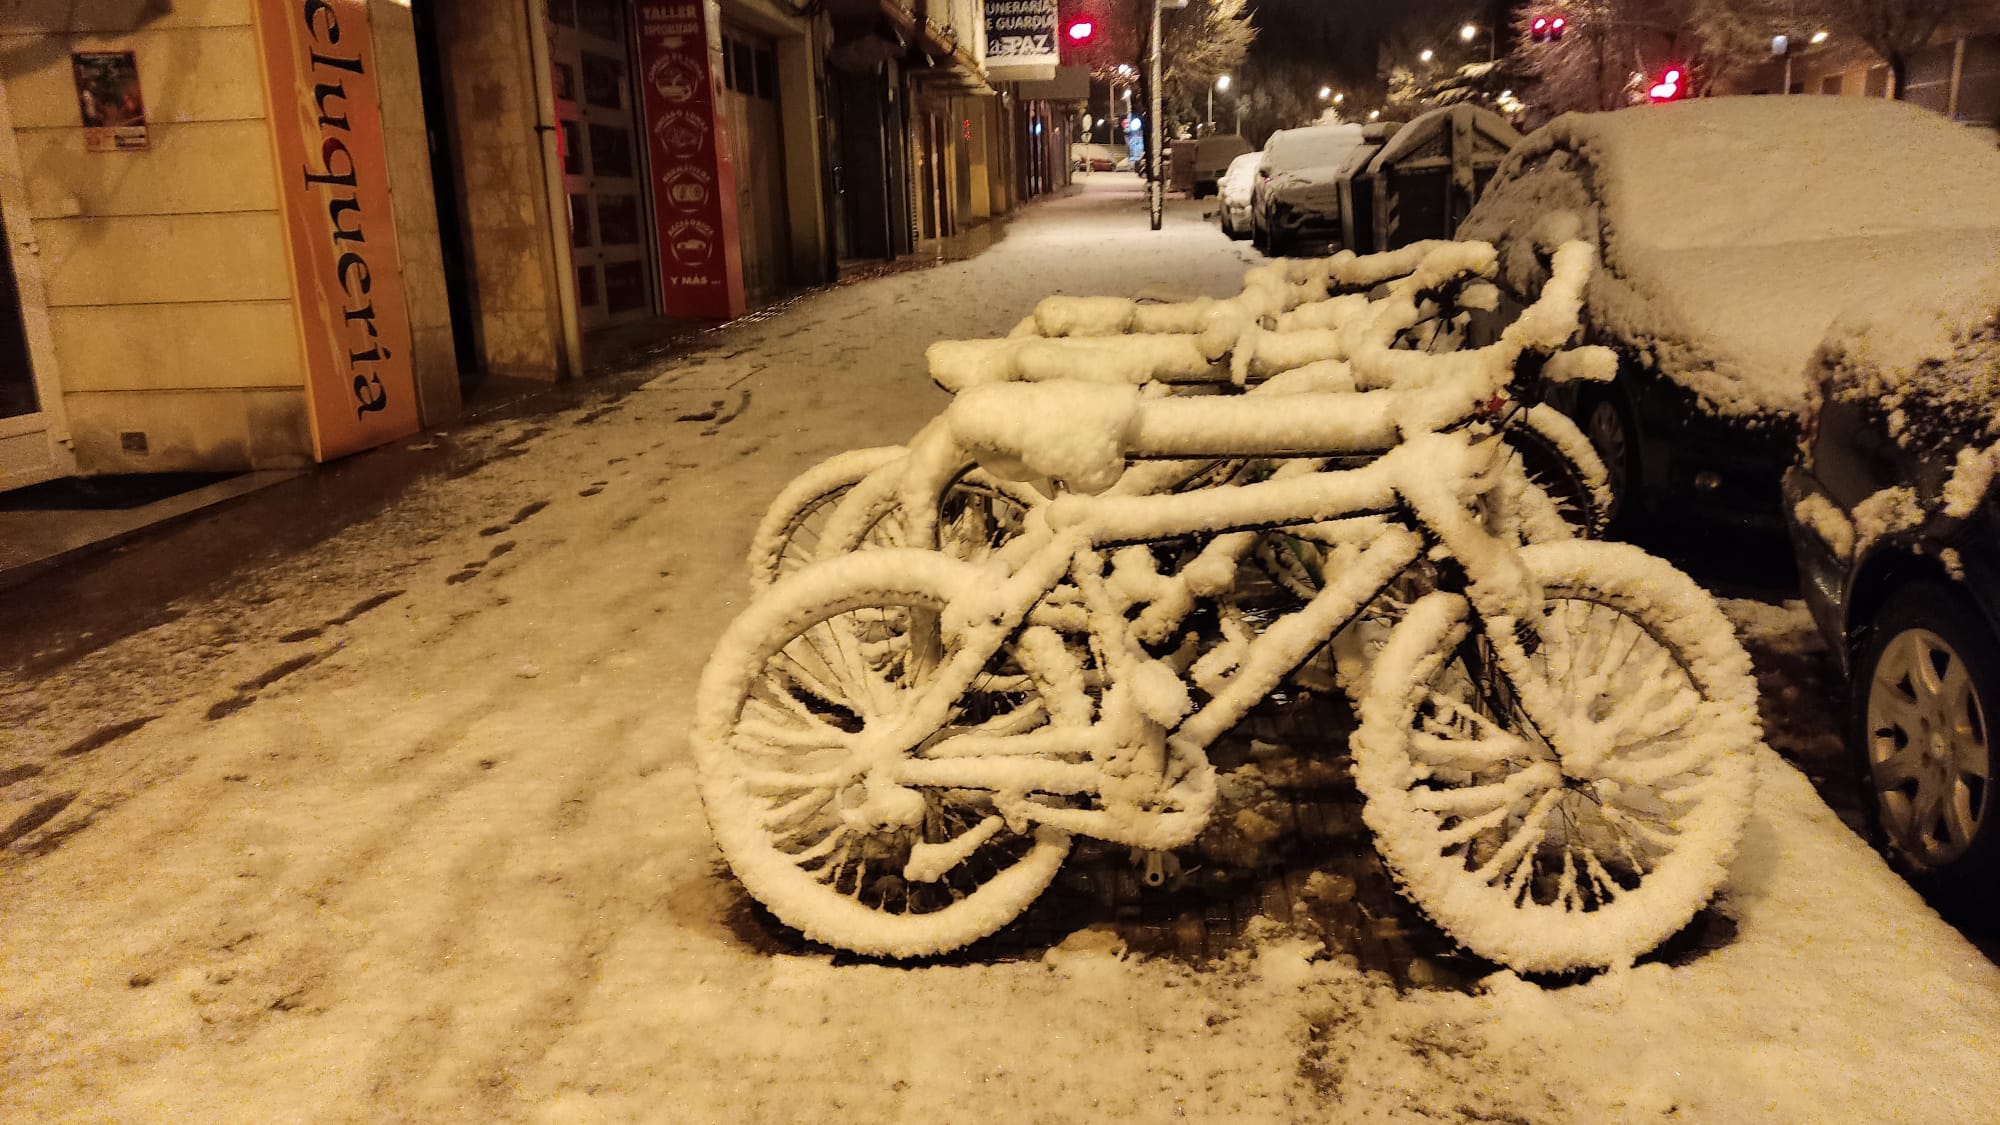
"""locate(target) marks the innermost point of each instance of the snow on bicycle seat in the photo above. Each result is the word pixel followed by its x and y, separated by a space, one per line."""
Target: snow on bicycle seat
pixel 959 365
pixel 1075 432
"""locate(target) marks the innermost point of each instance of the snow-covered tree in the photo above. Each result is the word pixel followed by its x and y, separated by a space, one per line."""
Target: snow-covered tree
pixel 1198 43
pixel 1611 50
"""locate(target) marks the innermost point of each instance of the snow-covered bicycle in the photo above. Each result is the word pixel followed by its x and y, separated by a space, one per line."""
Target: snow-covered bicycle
pixel 1182 347
pixel 897 746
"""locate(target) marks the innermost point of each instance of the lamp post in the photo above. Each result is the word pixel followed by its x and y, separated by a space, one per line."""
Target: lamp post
pixel 1471 31
pixel 1221 83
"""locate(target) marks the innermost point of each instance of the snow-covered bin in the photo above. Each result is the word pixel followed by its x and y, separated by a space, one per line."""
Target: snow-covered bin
pixel 1424 181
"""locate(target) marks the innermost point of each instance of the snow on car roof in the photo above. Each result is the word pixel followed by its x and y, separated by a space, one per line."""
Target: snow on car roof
pixel 1738 229
pixel 1314 146
pixel 1241 176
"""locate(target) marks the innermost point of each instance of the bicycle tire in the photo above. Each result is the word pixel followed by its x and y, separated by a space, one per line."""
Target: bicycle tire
pixel 778 720
pixel 1472 833
pixel 788 536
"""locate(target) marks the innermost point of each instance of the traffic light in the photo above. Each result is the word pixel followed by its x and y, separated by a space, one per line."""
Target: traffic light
pixel 1547 28
pixel 1671 87
pixel 1080 30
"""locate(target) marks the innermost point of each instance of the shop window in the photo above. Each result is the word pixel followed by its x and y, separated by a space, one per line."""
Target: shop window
pixel 602 18
pixel 624 287
pixel 1930 76
pixel 572 147
pixel 586 286
pixel 767 74
pixel 579 220
pixel 1979 81
pixel 618 219
pixel 610 151
pixel 603 81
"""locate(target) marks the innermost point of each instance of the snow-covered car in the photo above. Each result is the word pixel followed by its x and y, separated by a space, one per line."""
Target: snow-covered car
pixel 1233 195
pixel 1297 193
pixel 1897 533
pixel 1733 231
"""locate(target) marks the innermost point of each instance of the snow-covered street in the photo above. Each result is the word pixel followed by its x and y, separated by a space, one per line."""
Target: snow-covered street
pixel 406 828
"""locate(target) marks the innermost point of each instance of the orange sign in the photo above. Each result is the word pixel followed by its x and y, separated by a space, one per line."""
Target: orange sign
pixel 333 188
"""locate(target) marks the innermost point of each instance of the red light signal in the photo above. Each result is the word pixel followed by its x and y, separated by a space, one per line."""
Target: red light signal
pixel 1547 29
pixel 1080 31
pixel 1671 87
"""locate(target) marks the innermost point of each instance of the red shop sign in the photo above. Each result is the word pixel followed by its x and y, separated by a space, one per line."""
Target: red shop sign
pixel 694 185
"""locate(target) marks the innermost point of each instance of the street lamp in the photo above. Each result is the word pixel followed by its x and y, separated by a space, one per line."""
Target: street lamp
pixel 1470 32
pixel 1325 92
pixel 1426 55
pixel 1221 83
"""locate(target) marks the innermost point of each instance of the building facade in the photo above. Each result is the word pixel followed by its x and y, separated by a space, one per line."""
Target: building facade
pixel 263 233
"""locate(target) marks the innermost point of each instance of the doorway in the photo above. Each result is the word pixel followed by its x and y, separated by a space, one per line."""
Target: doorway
pixel 597 139
pixel 757 150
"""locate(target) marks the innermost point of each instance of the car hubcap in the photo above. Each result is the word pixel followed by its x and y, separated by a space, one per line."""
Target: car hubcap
pixel 1927 748
pixel 1606 431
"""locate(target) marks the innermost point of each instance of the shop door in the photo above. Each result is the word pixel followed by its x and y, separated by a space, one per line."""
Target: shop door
pixel 600 154
pixel 29 451
pixel 757 149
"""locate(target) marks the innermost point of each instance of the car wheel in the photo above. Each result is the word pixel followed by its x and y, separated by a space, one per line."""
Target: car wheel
pixel 1228 228
pixel 1258 237
pixel 1926 683
pixel 1277 245
pixel 1609 428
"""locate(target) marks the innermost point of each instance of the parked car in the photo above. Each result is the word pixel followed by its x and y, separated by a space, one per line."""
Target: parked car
pixel 1733 231
pixel 1233 195
pixel 1897 532
pixel 1297 194
pixel 1210 158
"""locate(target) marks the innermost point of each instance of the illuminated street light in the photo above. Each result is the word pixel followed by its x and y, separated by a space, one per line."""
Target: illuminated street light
pixel 1338 98
pixel 1426 55
pixel 1374 114
pixel 1469 32
pixel 1222 83
pixel 1818 37
pixel 1325 92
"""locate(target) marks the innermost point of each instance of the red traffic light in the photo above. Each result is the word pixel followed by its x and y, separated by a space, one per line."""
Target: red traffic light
pixel 1080 31
pixel 1547 29
pixel 1672 86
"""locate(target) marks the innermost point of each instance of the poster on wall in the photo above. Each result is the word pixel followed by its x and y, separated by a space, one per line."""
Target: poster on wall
pixel 333 188
pixel 1021 41
pixel 108 100
pixel 694 186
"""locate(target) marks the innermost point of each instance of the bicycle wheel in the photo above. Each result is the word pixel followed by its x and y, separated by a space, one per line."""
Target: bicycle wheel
pixel 796 704
pixel 1562 467
pixel 788 537
pixel 1582 838
pixel 976 515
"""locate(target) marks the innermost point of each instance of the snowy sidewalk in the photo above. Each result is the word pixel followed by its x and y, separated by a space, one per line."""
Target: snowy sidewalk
pixel 407 830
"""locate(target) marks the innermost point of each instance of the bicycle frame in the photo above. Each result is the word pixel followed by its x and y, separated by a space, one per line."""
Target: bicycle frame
pixel 1144 757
